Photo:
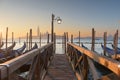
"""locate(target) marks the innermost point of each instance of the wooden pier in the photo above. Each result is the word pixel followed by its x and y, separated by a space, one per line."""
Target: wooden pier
pixel 77 63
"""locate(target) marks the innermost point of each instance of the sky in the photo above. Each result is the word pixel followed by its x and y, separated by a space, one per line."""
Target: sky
pixel 77 15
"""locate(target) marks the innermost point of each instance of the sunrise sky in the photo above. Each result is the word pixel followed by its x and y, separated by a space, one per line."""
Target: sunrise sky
pixel 21 15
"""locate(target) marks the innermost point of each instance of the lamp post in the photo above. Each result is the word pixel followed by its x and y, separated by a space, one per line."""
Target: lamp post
pixel 52 26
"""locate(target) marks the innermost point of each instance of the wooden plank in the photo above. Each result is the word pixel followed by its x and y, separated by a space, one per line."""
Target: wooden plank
pixel 60 69
pixel 111 64
pixel 17 62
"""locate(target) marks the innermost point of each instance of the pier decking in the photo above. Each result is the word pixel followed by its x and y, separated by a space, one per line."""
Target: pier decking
pixel 60 69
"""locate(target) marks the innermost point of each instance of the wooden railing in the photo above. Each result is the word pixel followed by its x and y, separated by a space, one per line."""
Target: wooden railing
pixel 81 59
pixel 38 60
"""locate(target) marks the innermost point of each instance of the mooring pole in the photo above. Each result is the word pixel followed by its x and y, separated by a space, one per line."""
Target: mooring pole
pixel 6 37
pixel 79 38
pixel 40 38
pixel 105 39
pixel 27 41
pixel 93 40
pixel 116 43
pixel 71 38
pixel 48 38
pixel 12 37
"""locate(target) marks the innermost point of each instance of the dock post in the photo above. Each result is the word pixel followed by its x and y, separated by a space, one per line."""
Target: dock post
pixel 65 36
pixel 105 39
pixel 71 38
pixel 27 41
pixel 30 38
pixel 116 43
pixel 54 42
pixel 12 37
pixel 40 38
pixel 67 39
pixel 6 37
pixel 79 38
pixel 48 38
pixel 93 40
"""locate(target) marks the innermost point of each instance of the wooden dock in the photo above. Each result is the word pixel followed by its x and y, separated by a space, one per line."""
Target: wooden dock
pixel 60 69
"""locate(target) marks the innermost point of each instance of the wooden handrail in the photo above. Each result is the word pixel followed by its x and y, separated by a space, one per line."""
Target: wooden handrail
pixel 111 64
pixel 12 65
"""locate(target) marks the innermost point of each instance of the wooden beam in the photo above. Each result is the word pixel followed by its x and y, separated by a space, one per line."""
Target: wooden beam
pixel 111 64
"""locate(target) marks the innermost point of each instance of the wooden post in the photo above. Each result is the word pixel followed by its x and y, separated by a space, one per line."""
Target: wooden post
pixel 12 37
pixel 67 39
pixel 52 28
pixel 71 38
pixel 27 42
pixel 79 38
pixel 55 41
pixel 30 38
pixel 6 37
pixel 63 41
pixel 105 39
pixel 93 40
pixel 48 38
pixel 116 43
pixel 40 39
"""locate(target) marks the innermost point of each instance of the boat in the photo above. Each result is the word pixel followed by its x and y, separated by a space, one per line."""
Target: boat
pixel 18 51
pixel 114 47
pixel 8 48
pixel 34 47
pixel 12 53
pixel 109 50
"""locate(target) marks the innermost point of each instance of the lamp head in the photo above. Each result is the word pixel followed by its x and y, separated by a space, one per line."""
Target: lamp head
pixel 59 20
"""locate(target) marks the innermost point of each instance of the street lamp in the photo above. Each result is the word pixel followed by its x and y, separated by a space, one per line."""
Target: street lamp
pixel 52 25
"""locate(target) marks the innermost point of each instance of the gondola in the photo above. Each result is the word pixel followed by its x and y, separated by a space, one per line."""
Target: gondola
pixel 18 51
pixel 114 47
pixel 8 48
pixel 109 50
pixel 13 53
pixel 102 70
